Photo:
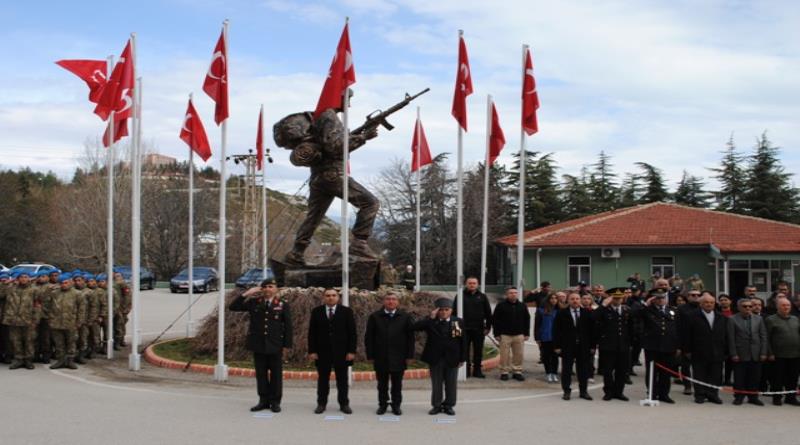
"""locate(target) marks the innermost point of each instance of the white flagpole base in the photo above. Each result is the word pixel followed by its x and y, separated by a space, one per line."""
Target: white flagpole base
pixel 462 373
pixel 649 402
pixel 134 361
pixel 221 373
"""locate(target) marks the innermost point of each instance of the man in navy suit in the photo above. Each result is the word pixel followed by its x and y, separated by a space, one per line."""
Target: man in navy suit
pixel 704 341
pixel 445 351
pixel 332 345
pixel 572 335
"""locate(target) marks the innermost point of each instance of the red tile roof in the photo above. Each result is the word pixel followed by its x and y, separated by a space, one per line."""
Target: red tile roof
pixel 667 225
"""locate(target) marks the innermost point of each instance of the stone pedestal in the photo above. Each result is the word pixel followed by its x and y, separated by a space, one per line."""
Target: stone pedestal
pixel 364 273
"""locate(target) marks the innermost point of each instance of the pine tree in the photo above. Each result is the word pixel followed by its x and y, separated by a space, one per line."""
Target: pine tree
pixel 543 204
pixel 575 197
pixel 731 177
pixel 768 193
pixel 630 191
pixel 654 189
pixel 602 187
pixel 690 192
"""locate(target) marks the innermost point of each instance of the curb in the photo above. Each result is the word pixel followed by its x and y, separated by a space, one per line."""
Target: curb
pixel 359 376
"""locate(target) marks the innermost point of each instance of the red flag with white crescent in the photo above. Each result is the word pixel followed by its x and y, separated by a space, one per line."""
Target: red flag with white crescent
pixel 117 94
pixel 93 72
pixel 463 85
pixel 530 98
pixel 194 134
pixel 216 83
pixel 497 139
pixel 120 131
pixel 260 140
pixel 341 75
pixel 421 152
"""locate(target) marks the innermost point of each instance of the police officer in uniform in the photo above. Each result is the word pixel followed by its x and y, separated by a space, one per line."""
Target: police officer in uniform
pixel 658 324
pixel 269 337
pixel 613 330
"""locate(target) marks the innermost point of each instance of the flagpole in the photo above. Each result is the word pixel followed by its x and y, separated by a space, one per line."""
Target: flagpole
pixel 345 239
pixel 221 370
pixel 419 196
pixel 521 213
pixel 134 359
pixel 486 169
pixel 190 255
pixel 265 232
pixel 110 228
pixel 462 374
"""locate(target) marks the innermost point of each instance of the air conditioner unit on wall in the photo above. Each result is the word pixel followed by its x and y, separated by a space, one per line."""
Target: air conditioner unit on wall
pixel 609 252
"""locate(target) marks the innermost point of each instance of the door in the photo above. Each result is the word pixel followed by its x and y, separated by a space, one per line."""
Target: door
pixel 738 279
pixel 760 279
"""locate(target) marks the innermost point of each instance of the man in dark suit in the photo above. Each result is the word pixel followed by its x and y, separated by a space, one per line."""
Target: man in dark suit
pixel 572 338
pixel 704 341
pixel 269 337
pixel 659 333
pixel 445 351
pixel 389 343
pixel 477 315
pixel 747 347
pixel 332 345
pixel 613 330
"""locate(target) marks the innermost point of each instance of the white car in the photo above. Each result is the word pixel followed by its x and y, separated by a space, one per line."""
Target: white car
pixel 3 268
pixel 31 268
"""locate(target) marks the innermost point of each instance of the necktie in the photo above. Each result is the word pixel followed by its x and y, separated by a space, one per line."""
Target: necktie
pixel 575 315
pixel 330 313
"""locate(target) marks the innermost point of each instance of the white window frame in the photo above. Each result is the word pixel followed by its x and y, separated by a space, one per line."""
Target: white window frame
pixel 661 266
pixel 579 266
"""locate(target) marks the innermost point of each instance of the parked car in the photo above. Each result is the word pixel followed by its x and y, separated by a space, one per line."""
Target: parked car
pixel 3 268
pixel 32 268
pixel 204 278
pixel 253 277
pixel 147 279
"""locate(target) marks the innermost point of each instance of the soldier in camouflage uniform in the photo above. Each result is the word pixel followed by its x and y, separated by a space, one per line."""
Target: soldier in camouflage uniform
pixel 102 284
pixel 63 316
pixel 122 307
pixel 325 132
pixel 83 316
pixel 5 345
pixel 96 304
pixel 19 315
pixel 47 284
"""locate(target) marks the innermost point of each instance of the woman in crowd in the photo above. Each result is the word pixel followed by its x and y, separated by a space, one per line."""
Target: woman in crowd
pixel 543 335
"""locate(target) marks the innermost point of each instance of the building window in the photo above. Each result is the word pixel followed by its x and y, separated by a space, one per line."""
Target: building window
pixel 579 269
pixel 664 266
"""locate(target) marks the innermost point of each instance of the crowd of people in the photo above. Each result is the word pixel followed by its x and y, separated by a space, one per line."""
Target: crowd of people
pixel 702 340
pixel 61 316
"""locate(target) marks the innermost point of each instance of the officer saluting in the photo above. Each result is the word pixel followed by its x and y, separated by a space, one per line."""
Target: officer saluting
pixel 613 330
pixel 659 334
pixel 269 337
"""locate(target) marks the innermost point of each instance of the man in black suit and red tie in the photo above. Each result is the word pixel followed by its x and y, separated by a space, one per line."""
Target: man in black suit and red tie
pixel 572 336
pixel 332 346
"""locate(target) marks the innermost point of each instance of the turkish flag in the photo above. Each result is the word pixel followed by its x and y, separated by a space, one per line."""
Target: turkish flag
pixel 194 134
pixel 463 85
pixel 93 72
pixel 120 131
pixel 216 83
pixel 341 75
pixel 496 138
pixel 260 140
pixel 530 98
pixel 421 153
pixel 117 94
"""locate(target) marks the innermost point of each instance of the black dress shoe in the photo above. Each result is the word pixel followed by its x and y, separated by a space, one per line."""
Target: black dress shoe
pixel 715 400
pixel 275 407
pixel 435 410
pixel 699 401
pixel 666 399
pixel 622 397
pixel 260 406
pixel 381 410
pixel 738 401
pixel 566 396
pixel 586 396
pixel 518 377
pixel 345 409
pixel 777 401
pixel 607 397
pixel 504 377
pixel 396 410
pixel 319 409
pixel 479 375
pixel 756 401
pixel 449 411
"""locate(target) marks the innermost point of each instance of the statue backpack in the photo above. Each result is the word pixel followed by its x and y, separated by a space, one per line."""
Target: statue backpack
pixel 293 132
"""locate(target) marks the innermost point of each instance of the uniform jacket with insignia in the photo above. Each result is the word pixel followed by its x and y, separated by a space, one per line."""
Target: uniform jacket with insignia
pixel 613 331
pixel 63 309
pixel 20 306
pixel 658 330
pixel 270 323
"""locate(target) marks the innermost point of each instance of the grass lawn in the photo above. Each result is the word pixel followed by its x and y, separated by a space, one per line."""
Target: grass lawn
pixel 180 350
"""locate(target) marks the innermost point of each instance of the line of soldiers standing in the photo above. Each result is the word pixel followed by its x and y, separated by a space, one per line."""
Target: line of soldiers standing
pixel 58 315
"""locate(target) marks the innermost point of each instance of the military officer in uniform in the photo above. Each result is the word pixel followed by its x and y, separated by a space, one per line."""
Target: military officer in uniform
pixel 613 330
pixel 83 316
pixel 19 315
pixel 5 345
pixel 101 300
pixel 43 347
pixel 445 351
pixel 92 316
pixel 269 338
pixel 63 315
pixel 122 307
pixel 658 325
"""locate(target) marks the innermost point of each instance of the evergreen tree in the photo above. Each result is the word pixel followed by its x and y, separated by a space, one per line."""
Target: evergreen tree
pixel 576 200
pixel 731 177
pixel 543 205
pixel 602 187
pixel 512 185
pixel 690 192
pixel 767 192
pixel 654 189
pixel 630 191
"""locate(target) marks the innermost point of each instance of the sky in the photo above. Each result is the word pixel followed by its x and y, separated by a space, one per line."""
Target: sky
pixel 663 82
